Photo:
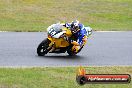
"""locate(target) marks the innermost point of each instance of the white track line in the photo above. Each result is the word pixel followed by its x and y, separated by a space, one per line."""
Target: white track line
pixel 3 31
pixel 111 31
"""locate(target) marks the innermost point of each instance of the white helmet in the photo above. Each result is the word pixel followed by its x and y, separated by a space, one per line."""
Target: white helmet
pixel 75 26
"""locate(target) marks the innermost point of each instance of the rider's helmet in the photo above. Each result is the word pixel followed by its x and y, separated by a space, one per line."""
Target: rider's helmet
pixel 75 26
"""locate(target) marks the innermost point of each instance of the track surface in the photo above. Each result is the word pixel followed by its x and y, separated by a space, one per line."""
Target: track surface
pixel 103 48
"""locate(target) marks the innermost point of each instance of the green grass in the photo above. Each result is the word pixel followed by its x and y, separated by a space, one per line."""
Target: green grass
pixel 60 77
pixel 37 15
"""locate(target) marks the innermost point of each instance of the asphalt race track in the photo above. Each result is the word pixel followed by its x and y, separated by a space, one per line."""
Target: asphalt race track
pixel 102 49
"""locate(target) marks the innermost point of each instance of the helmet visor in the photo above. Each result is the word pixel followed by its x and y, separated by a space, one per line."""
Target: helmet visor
pixel 75 29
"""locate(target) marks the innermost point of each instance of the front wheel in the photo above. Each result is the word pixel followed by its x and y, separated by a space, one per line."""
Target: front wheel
pixel 43 47
pixel 71 52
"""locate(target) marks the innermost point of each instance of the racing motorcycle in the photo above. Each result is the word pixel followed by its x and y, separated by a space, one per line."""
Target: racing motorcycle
pixel 58 41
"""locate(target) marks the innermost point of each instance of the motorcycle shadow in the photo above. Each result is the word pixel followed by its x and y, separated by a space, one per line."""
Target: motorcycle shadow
pixel 64 57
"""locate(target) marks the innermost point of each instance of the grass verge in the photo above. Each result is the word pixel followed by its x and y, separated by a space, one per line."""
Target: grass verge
pixel 60 77
pixel 37 15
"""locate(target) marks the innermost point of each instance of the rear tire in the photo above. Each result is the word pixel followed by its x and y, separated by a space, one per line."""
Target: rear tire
pixel 43 47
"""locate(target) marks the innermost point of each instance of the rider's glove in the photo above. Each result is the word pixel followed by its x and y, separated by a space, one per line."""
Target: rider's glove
pixel 84 40
pixel 75 43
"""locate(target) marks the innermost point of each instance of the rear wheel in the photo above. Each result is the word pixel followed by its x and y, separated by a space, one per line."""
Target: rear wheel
pixel 43 47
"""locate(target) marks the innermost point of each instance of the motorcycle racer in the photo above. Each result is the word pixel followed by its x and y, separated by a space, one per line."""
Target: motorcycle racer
pixel 80 34
pixel 64 37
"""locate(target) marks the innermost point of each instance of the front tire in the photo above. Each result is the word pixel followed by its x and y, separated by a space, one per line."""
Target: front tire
pixel 70 52
pixel 73 53
pixel 43 47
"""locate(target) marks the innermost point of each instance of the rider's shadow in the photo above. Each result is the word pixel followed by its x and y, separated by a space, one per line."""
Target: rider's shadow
pixel 63 57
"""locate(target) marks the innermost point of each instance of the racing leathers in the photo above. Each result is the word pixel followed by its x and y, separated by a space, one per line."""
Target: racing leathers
pixel 79 38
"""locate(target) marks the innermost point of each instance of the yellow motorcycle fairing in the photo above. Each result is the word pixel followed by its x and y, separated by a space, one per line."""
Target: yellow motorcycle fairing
pixel 60 42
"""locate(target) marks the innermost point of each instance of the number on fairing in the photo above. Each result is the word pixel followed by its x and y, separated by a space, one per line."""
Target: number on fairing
pixel 52 32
